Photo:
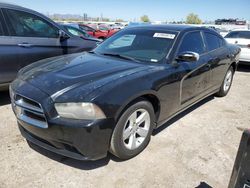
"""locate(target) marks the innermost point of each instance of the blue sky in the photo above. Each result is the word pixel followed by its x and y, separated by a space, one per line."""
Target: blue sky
pixel 133 9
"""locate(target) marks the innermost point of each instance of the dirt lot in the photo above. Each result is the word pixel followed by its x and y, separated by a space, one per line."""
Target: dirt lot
pixel 198 146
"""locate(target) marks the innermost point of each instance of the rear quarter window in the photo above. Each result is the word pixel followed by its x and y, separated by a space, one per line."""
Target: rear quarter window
pixel 213 41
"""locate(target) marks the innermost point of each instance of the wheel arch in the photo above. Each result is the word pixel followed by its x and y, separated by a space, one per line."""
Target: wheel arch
pixel 234 65
pixel 150 96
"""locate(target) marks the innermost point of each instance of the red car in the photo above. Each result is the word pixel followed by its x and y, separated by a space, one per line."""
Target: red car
pixel 98 31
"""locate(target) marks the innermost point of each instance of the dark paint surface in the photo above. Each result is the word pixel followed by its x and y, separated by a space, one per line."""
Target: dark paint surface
pixel 112 83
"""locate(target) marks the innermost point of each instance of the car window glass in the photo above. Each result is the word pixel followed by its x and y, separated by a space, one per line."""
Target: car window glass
pixel 1 25
pixel 144 45
pixel 238 34
pixel 87 28
pixel 212 41
pixel 28 25
pixel 1 30
pixel 244 34
pixel 123 41
pixel 192 42
pixel 77 32
pixel 221 41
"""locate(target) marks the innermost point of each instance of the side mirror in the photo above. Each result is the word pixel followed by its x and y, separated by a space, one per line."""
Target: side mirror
pixel 62 35
pixel 188 56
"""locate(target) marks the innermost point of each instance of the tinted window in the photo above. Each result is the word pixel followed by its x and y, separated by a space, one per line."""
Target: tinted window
pixel 76 32
pixel 28 25
pixel 1 30
pixel 140 44
pixel 192 42
pixel 1 26
pixel 86 28
pixel 238 34
pixel 213 42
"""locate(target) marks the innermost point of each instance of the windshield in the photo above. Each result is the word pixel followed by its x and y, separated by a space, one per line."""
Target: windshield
pixel 140 44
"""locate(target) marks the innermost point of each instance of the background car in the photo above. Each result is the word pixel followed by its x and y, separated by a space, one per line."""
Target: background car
pixel 242 39
pixel 100 32
pixel 28 36
pixel 79 32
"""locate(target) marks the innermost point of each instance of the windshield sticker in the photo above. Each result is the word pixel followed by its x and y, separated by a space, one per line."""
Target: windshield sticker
pixel 164 35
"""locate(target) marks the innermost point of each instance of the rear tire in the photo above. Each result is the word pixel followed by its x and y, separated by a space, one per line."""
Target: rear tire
pixel 227 83
pixel 133 130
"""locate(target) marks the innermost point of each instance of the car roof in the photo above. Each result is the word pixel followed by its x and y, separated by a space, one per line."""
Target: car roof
pixel 13 6
pixel 170 27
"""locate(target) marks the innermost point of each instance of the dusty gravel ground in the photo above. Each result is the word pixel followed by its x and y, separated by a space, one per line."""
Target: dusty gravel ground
pixel 200 145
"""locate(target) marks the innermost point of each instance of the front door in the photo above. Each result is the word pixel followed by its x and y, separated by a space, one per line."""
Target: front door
pixel 196 78
pixel 34 38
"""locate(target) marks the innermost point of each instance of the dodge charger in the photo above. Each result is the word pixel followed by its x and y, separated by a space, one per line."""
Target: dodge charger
pixel 87 104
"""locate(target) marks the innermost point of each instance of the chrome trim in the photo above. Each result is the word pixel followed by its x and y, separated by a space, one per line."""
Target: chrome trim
pixel 32 121
pixel 28 106
pixel 23 109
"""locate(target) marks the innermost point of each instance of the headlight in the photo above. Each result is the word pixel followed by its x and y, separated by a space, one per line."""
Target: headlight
pixel 86 111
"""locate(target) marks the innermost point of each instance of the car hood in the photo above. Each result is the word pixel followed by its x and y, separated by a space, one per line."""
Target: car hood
pixel 55 76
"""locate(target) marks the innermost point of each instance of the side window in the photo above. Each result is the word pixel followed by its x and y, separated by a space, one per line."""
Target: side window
pixel 1 29
pixel 74 31
pixel 1 25
pixel 192 42
pixel 213 41
pixel 24 24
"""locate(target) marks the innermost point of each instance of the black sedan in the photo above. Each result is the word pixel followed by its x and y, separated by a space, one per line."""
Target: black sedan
pixel 110 99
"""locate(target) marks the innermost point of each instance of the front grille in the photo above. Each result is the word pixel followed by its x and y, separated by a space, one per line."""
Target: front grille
pixel 29 111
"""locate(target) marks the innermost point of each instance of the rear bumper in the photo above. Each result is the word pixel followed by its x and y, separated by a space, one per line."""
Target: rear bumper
pixel 245 55
pixel 88 142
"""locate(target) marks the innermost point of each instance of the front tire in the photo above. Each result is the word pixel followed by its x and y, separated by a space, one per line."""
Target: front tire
pixel 133 130
pixel 227 83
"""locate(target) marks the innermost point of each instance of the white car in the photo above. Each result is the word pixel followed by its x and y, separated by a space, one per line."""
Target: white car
pixel 242 39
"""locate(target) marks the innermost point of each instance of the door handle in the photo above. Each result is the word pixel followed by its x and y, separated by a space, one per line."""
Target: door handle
pixel 25 45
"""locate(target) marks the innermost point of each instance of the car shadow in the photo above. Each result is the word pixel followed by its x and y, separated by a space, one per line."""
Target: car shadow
pixel 4 98
pixel 243 68
pixel 82 165
pixel 182 114
pixel 203 185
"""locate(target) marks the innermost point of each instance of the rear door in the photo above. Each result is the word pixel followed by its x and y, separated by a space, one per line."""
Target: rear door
pixel 34 37
pixel 9 64
pixel 218 58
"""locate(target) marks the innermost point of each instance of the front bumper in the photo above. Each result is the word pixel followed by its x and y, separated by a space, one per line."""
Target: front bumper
pixel 81 143
pixel 78 139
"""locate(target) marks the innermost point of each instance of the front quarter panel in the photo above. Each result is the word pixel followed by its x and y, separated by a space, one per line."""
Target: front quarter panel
pixel 158 81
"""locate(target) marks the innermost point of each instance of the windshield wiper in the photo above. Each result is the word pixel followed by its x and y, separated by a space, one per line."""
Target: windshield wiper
pixel 122 57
